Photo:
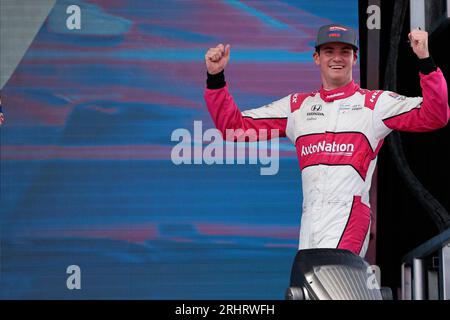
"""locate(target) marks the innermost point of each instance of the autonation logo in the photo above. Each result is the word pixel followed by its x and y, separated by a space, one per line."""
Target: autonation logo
pixel 336 148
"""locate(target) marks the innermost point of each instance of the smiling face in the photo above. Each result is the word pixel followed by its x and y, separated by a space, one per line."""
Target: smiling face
pixel 336 61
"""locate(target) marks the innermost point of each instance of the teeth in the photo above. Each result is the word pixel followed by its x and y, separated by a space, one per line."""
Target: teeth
pixel 336 67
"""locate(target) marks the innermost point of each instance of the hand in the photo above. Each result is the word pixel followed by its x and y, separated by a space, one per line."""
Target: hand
pixel 419 43
pixel 2 118
pixel 217 58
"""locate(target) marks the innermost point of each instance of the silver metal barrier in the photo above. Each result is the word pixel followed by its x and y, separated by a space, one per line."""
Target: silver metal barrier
pixel 426 270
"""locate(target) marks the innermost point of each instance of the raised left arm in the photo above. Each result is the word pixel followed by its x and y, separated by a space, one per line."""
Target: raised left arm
pixel 2 118
pixel 426 113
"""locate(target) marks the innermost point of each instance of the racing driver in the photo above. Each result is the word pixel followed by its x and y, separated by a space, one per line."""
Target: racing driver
pixel 337 131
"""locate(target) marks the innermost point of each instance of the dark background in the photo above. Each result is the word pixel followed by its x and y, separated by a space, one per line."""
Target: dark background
pixel 402 223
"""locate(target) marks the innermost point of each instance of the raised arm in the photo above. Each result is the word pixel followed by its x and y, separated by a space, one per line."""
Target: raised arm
pixel 426 113
pixel 256 124
pixel 2 118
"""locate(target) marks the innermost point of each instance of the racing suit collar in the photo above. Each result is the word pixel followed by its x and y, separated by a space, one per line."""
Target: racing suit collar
pixel 339 93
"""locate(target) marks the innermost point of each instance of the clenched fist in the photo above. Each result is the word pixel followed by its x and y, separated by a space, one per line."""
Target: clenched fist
pixel 217 58
pixel 419 43
pixel 2 118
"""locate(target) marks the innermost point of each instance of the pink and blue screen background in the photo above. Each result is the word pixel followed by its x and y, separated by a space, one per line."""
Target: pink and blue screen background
pixel 86 173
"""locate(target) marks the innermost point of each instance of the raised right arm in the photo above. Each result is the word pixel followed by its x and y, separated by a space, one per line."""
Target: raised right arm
pixel 261 123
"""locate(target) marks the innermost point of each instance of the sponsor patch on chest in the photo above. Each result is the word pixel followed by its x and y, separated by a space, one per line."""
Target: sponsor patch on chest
pixel 345 149
pixel 314 112
pixel 345 107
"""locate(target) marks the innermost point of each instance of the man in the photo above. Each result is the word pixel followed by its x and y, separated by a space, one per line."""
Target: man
pixel 337 130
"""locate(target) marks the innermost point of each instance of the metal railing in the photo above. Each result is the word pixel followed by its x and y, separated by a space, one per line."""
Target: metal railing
pixel 426 270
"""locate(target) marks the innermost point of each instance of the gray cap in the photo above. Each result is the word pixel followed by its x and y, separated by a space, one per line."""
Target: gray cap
pixel 336 33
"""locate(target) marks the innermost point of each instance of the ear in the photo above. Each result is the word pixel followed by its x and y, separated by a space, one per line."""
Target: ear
pixel 355 57
pixel 316 58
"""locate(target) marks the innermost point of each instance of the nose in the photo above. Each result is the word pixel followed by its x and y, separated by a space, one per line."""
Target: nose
pixel 337 57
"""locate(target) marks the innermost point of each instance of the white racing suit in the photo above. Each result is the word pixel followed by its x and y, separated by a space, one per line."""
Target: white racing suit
pixel 337 135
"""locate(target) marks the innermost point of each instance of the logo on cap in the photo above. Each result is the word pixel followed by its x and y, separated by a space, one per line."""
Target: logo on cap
pixel 336 28
pixel 336 33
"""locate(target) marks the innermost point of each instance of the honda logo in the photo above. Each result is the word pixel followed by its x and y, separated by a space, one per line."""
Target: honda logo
pixel 316 107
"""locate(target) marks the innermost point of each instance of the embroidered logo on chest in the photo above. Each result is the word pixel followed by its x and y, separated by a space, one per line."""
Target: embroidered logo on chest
pixel 316 111
pixel 345 107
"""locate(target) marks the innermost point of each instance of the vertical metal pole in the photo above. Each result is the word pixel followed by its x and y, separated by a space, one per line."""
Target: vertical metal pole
pixel 418 279
pixel 444 272
pixel 417 14
pixel 433 285
pixel 373 53
pixel 406 282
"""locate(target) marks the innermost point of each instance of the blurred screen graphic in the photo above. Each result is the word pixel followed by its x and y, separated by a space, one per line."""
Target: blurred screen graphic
pixel 86 171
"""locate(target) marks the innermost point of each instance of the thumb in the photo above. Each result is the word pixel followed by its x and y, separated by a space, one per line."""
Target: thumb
pixel 227 51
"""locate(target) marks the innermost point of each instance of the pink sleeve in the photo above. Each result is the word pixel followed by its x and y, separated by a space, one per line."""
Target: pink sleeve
pixel 256 124
pixel 429 113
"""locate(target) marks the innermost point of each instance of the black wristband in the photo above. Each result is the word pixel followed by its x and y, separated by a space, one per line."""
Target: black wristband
pixel 427 65
pixel 215 81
